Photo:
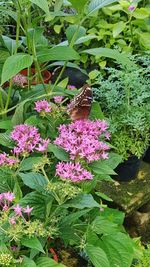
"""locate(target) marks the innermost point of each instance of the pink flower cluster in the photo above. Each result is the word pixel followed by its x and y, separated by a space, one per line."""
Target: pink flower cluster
pixel 7 160
pixel 81 139
pixel 27 140
pixel 72 171
pixel 42 106
pixel 58 99
pixel 5 200
pixel 18 210
pixel 19 79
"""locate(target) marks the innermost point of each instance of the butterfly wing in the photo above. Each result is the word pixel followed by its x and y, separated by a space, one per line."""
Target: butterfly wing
pixel 80 106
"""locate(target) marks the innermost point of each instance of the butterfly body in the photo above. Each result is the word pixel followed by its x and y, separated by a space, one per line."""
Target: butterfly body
pixel 80 106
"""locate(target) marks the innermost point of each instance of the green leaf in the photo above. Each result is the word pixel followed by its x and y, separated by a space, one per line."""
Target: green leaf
pixel 27 262
pixel 58 53
pixel 9 43
pixel 3 55
pixel 78 5
pixel 29 163
pixel 59 152
pixel 71 218
pixel 113 160
pixel 140 13
pixel 6 179
pixel 47 262
pixel 83 201
pixel 14 64
pixel 42 4
pixel 34 180
pixel 96 112
pixel 103 226
pixel 5 140
pixel 102 167
pixel 145 39
pixel 33 120
pixel 94 5
pixel 104 196
pixel 118 248
pixel 32 242
pixel 97 256
pixel 113 215
pixel 85 39
pixel 5 124
pixel 17 192
pixel 18 117
pixel 71 32
pixel 110 53
pixel 118 28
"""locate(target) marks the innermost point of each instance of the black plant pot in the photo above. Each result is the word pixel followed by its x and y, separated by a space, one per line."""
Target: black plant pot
pixel 127 170
pixel 147 156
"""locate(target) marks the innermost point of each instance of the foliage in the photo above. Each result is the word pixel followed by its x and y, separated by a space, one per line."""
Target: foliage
pixel 145 260
pixel 124 98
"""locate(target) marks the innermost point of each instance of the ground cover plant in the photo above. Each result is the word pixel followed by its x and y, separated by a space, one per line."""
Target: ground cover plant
pixel 50 165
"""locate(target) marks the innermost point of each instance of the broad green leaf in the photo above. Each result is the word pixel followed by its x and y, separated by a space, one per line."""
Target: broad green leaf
pixel 5 124
pixel 33 120
pixel 78 5
pixel 18 117
pixel 5 140
pixel 37 201
pixel 119 249
pixel 73 31
pixel 29 163
pixel 118 28
pixel 59 152
pixel 10 44
pixel 42 4
pixel 57 53
pixel 85 39
pixel 83 201
pixel 97 256
pixel 96 112
pixel 113 215
pixel 110 53
pixel 94 5
pixel 17 192
pixel 3 55
pixel 140 13
pixel 48 262
pixel 14 64
pixel 113 160
pixel 103 226
pixel 145 39
pixel 102 167
pixel 32 242
pixel 74 216
pixel 27 262
pixel 34 180
pixel 6 179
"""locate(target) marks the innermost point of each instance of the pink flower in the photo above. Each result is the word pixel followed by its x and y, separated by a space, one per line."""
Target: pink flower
pixel 12 220
pixel 7 160
pixel 18 210
pixel 81 139
pixel 131 8
pixel 20 80
pixel 27 140
pixel 5 207
pixel 42 106
pixel 58 99
pixel 9 196
pixel 27 210
pixel 72 171
pixel 71 87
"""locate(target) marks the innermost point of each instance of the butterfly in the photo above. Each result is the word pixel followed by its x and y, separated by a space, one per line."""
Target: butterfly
pixel 80 106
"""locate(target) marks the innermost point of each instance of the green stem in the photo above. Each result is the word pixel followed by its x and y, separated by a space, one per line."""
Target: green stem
pixel 9 95
pixel 18 27
pixel 1 100
pixel 45 175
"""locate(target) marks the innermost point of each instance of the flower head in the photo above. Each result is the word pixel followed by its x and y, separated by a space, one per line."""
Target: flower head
pixel 27 140
pixel 131 8
pixel 58 99
pixel 18 210
pixel 81 139
pixel 42 106
pixel 7 160
pixel 20 80
pixel 71 87
pixel 72 171
pixel 9 196
pixel 27 209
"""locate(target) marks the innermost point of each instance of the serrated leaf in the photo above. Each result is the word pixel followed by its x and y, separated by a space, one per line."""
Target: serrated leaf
pixel 14 64
pixel 34 180
pixel 32 242
pixel 103 226
pixel 59 152
pixel 97 256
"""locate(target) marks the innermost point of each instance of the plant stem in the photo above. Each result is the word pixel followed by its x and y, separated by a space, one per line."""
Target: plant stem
pixel 18 27
pixel 45 175
pixel 9 95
